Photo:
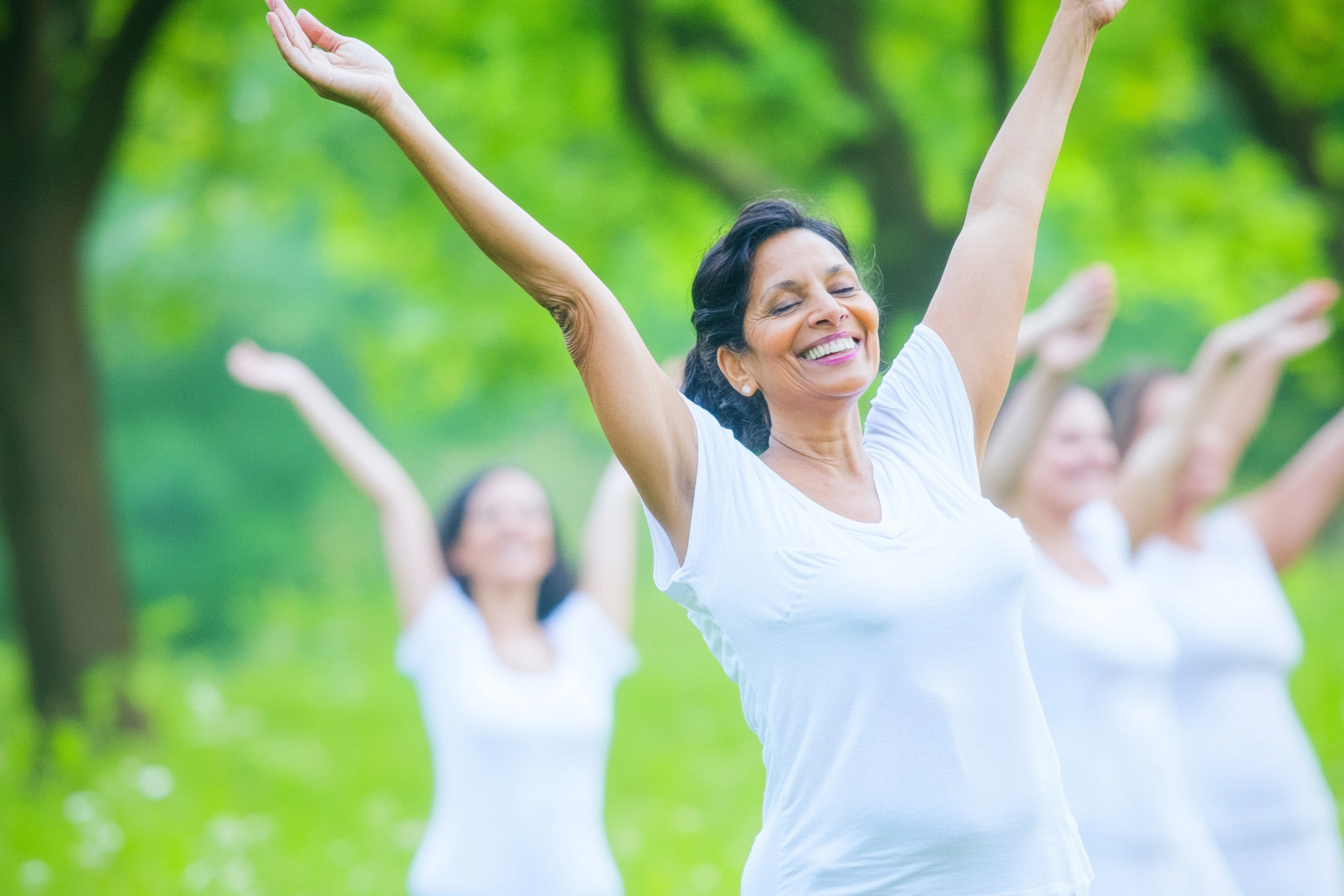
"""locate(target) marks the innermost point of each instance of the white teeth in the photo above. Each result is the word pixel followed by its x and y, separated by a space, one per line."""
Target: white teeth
pixel 843 344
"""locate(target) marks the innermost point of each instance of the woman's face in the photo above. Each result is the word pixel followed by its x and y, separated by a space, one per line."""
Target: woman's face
pixel 508 536
pixel 1075 461
pixel 1209 467
pixel 811 328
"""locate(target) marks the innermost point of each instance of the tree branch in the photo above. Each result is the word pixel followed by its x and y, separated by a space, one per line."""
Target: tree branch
pixel 635 95
pixel 996 58
pixel 104 108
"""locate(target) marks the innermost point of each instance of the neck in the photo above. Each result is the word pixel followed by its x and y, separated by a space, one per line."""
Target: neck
pixel 1181 525
pixel 832 439
pixel 1048 524
pixel 506 607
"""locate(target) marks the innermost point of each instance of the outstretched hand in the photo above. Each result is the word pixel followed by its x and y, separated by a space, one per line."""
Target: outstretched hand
pixel 1286 323
pixel 1080 311
pixel 1314 298
pixel 264 371
pixel 339 68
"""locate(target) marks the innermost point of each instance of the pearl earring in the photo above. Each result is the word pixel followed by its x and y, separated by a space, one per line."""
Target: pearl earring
pixel 746 390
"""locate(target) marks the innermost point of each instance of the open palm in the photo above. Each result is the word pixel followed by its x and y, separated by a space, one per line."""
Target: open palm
pixel 339 68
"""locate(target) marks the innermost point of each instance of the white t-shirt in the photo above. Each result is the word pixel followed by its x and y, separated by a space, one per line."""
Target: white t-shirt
pixel 1102 657
pixel 1253 769
pixel 881 664
pixel 519 758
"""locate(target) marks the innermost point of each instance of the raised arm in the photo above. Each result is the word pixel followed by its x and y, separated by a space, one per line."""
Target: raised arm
pixel 1251 393
pixel 977 307
pixel 410 539
pixel 1071 341
pixel 1147 487
pixel 645 420
pixel 1290 509
pixel 610 550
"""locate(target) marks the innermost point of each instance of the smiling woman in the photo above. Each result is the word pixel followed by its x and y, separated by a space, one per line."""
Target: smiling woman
pixel 855 585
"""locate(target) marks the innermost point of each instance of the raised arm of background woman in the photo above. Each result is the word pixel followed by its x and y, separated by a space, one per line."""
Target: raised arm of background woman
pixel 977 307
pixel 1146 489
pixel 644 418
pixel 410 540
pixel 607 572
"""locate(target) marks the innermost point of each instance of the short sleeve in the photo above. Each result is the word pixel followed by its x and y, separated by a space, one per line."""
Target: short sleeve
pixel 1103 536
pixel 922 409
pixel 719 461
pixel 1229 532
pixel 440 622
pixel 583 625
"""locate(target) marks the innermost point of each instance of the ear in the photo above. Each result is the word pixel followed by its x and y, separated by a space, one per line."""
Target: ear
pixel 730 363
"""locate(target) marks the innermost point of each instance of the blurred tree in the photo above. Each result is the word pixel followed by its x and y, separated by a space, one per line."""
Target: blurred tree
pixel 66 67
pixel 1283 61
pixel 910 246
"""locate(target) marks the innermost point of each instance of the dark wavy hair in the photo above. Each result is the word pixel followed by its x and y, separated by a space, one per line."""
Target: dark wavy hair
pixel 1124 399
pixel 557 584
pixel 719 296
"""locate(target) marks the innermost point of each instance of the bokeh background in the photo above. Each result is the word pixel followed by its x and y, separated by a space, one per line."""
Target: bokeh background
pixel 280 752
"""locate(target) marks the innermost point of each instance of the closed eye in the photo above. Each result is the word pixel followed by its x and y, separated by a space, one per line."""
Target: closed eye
pixel 783 309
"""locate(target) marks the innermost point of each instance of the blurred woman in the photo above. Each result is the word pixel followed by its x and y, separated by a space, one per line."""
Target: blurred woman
pixel 1100 651
pixel 1215 572
pixel 515 666
pixel 855 585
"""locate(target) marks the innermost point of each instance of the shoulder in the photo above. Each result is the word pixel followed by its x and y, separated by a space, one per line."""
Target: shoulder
pixel 447 616
pixel 922 412
pixel 580 625
pixel 1228 529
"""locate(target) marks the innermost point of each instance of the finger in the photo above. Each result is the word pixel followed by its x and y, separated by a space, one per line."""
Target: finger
pixel 296 35
pixel 322 37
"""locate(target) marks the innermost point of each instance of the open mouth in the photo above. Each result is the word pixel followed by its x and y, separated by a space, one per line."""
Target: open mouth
pixel 834 346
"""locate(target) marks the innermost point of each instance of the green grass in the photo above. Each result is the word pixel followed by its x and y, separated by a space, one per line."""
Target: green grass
pixel 299 766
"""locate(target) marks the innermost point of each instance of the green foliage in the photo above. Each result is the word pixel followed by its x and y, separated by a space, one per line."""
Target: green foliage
pixel 242 205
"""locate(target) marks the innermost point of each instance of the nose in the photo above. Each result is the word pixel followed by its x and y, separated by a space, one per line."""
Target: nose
pixel 824 308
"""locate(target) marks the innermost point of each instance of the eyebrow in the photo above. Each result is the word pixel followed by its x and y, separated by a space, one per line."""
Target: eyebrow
pixel 793 284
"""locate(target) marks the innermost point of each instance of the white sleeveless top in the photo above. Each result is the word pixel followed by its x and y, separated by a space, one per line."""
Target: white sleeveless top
pixel 1254 771
pixel 519 758
pixel 881 664
pixel 1103 657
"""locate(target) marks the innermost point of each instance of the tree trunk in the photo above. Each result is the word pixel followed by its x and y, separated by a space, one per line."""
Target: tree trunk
pixel 68 589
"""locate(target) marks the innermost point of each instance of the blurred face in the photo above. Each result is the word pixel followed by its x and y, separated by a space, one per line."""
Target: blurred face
pixel 1209 467
pixel 810 327
pixel 507 537
pixel 1076 459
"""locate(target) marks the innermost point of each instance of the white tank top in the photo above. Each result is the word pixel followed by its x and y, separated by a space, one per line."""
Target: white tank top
pixel 1253 768
pixel 519 758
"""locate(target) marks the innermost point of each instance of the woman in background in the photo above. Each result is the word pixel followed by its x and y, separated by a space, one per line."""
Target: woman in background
pixel 1215 572
pixel 515 666
pixel 1100 651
